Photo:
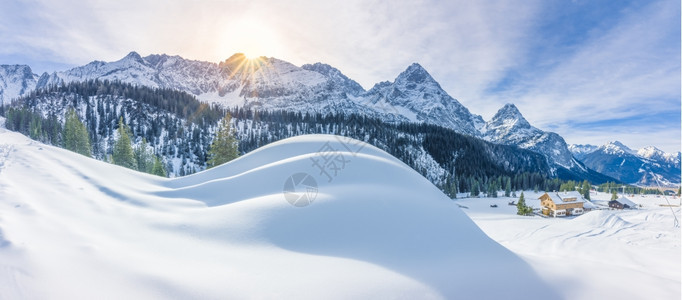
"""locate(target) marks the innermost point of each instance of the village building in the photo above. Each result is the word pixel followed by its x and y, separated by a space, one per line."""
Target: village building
pixel 622 203
pixel 562 204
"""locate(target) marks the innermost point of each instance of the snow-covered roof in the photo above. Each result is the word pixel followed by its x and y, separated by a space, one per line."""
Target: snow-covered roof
pixel 566 197
pixel 589 205
pixel 627 201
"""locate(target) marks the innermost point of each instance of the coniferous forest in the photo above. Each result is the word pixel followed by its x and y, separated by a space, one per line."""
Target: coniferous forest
pixel 179 129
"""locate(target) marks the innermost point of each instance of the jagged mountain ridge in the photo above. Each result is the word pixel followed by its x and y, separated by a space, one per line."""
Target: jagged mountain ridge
pixel 270 83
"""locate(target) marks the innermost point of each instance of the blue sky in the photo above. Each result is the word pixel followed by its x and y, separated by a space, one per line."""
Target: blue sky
pixel 592 71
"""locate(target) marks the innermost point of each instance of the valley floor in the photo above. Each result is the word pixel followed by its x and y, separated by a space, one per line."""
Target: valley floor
pixel 603 254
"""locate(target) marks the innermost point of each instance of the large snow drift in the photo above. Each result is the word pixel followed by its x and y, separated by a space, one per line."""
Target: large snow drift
pixel 77 228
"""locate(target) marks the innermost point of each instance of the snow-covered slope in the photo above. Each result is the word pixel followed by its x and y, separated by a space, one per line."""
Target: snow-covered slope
pixel 509 127
pixel 76 228
pixel 642 167
pixel 417 96
pixel 579 150
pixel 346 84
pixel 15 81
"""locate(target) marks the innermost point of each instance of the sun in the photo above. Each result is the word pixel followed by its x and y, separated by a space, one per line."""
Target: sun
pixel 252 57
pixel 252 36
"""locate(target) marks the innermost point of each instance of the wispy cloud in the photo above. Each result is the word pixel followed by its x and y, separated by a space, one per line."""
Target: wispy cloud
pixel 629 72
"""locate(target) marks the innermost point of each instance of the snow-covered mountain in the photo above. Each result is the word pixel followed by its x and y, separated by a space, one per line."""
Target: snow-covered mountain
pixel 379 230
pixel 641 167
pixel 270 83
pixel 657 155
pixel 16 81
pixel 509 127
pixel 417 96
pixel 263 83
pixel 351 87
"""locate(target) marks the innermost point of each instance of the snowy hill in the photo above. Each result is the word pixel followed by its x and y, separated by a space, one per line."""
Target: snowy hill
pixel 635 167
pixel 378 230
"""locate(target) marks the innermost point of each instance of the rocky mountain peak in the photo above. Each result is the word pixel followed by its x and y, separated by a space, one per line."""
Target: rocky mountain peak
pixel 616 148
pixel 415 74
pixel 508 116
pixel 133 56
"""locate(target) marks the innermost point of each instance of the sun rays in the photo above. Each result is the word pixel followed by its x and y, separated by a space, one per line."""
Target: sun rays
pixel 242 67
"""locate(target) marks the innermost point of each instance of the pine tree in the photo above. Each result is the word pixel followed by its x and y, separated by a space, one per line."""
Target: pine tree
pixel 492 189
pixel 76 137
pixel 507 189
pixel 475 190
pixel 586 189
pixel 123 151
pixel 521 208
pixel 225 145
pixel 614 195
pixel 144 157
pixel 157 168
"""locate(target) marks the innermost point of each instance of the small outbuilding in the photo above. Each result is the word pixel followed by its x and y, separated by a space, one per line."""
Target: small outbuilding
pixel 622 203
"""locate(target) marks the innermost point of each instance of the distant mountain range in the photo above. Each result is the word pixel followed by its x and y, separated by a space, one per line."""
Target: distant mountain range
pixel 269 83
pixel 648 166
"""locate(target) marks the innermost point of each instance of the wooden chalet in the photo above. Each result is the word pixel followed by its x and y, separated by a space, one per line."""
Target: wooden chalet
pixel 562 204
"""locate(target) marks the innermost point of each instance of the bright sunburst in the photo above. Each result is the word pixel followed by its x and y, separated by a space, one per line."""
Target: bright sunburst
pixel 241 64
pixel 252 36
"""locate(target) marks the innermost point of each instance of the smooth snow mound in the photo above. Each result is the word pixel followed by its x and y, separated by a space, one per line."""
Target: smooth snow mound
pixel 77 228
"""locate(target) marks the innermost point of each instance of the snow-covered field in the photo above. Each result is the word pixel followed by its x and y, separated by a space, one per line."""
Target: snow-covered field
pixel 603 254
pixel 77 228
